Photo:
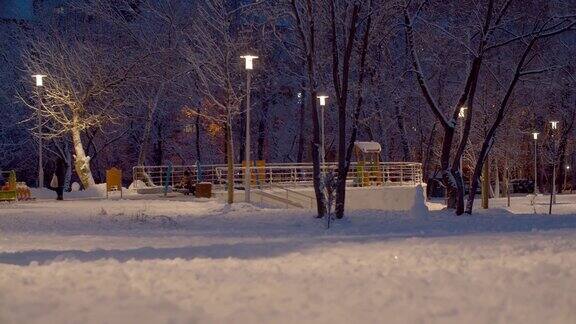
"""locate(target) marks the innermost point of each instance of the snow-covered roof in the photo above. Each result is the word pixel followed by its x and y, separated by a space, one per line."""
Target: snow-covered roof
pixel 368 147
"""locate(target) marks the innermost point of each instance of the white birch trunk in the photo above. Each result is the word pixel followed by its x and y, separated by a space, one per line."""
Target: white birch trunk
pixel 81 161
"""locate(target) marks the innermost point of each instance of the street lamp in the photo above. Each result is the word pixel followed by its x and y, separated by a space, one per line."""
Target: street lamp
pixel 462 112
pixel 249 67
pixel 535 136
pixel 39 78
pixel 322 99
pixel 554 125
pixel 461 116
pixel 565 177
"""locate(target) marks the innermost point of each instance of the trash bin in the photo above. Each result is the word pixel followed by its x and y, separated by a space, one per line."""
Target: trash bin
pixel 204 190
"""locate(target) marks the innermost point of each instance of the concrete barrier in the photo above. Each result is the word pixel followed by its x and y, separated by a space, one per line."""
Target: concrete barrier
pixel 392 198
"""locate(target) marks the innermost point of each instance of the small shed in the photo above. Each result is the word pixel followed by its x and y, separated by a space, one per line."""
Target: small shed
pixel 368 170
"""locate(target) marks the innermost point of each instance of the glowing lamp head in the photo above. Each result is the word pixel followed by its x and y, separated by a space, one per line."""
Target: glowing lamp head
pixel 39 79
pixel 322 100
pixel 249 59
pixel 554 124
pixel 462 112
pixel 567 167
pixel 535 135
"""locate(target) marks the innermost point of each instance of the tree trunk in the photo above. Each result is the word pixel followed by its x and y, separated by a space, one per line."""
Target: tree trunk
pixel 68 159
pixel 262 130
pixel 148 128
pixel 497 178
pixel 489 139
pixel 81 161
pixel 198 151
pixel 341 83
pixel 485 184
pixel 307 36
pixel 158 153
pixel 241 136
pixel 451 176
pixel 229 160
pixel 507 180
pixel 428 155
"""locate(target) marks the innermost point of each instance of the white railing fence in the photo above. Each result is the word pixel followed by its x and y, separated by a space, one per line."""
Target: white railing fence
pixel 278 174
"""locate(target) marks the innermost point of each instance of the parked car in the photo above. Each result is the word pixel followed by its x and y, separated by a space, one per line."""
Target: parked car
pixel 522 186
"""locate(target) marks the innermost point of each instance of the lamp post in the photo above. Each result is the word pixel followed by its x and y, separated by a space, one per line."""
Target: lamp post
pixel 535 136
pixel 322 100
pixel 249 67
pixel 40 83
pixel 565 177
pixel 554 126
pixel 462 116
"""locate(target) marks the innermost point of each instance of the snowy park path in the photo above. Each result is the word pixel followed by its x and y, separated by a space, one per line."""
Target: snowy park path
pixel 169 261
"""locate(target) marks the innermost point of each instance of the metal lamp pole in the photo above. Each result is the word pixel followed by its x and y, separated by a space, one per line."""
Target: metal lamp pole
pixel 322 148
pixel 247 176
pixel 39 83
pixel 462 115
pixel 554 128
pixel 565 177
pixel 535 135
pixel 554 125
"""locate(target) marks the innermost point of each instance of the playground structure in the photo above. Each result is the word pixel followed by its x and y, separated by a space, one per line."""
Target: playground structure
pixel 13 190
pixel 113 181
pixel 368 164
pixel 372 184
pixel 288 175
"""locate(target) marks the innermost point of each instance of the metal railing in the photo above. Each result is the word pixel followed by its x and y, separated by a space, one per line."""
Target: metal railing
pixel 294 175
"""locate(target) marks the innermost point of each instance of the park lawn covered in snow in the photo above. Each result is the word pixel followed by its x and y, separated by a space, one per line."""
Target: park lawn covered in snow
pixel 186 260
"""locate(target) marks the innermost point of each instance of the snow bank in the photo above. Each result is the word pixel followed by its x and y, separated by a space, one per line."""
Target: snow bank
pixel 98 190
pixel 137 184
pixel 385 198
pixel 472 279
pixel 419 208
pixel 183 260
pixel 75 187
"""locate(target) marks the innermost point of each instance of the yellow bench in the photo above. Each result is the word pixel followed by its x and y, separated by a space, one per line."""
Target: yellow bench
pixel 9 192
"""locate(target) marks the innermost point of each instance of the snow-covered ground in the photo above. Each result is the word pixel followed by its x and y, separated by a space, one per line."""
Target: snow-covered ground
pixel 187 260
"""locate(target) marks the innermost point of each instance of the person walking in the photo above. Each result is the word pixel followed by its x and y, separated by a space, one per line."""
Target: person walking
pixel 57 183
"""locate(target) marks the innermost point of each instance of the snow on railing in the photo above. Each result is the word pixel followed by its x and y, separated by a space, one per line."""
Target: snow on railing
pixel 281 174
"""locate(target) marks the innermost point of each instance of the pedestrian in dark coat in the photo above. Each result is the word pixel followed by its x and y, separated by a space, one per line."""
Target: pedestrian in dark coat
pixel 186 183
pixel 57 184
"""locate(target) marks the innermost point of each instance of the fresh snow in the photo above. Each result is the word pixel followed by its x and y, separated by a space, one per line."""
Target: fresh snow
pixel 186 260
pixel 419 207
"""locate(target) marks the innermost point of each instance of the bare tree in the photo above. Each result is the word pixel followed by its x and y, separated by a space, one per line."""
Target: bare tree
pixel 213 50
pixel 79 90
pixel 304 15
pixel 542 30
